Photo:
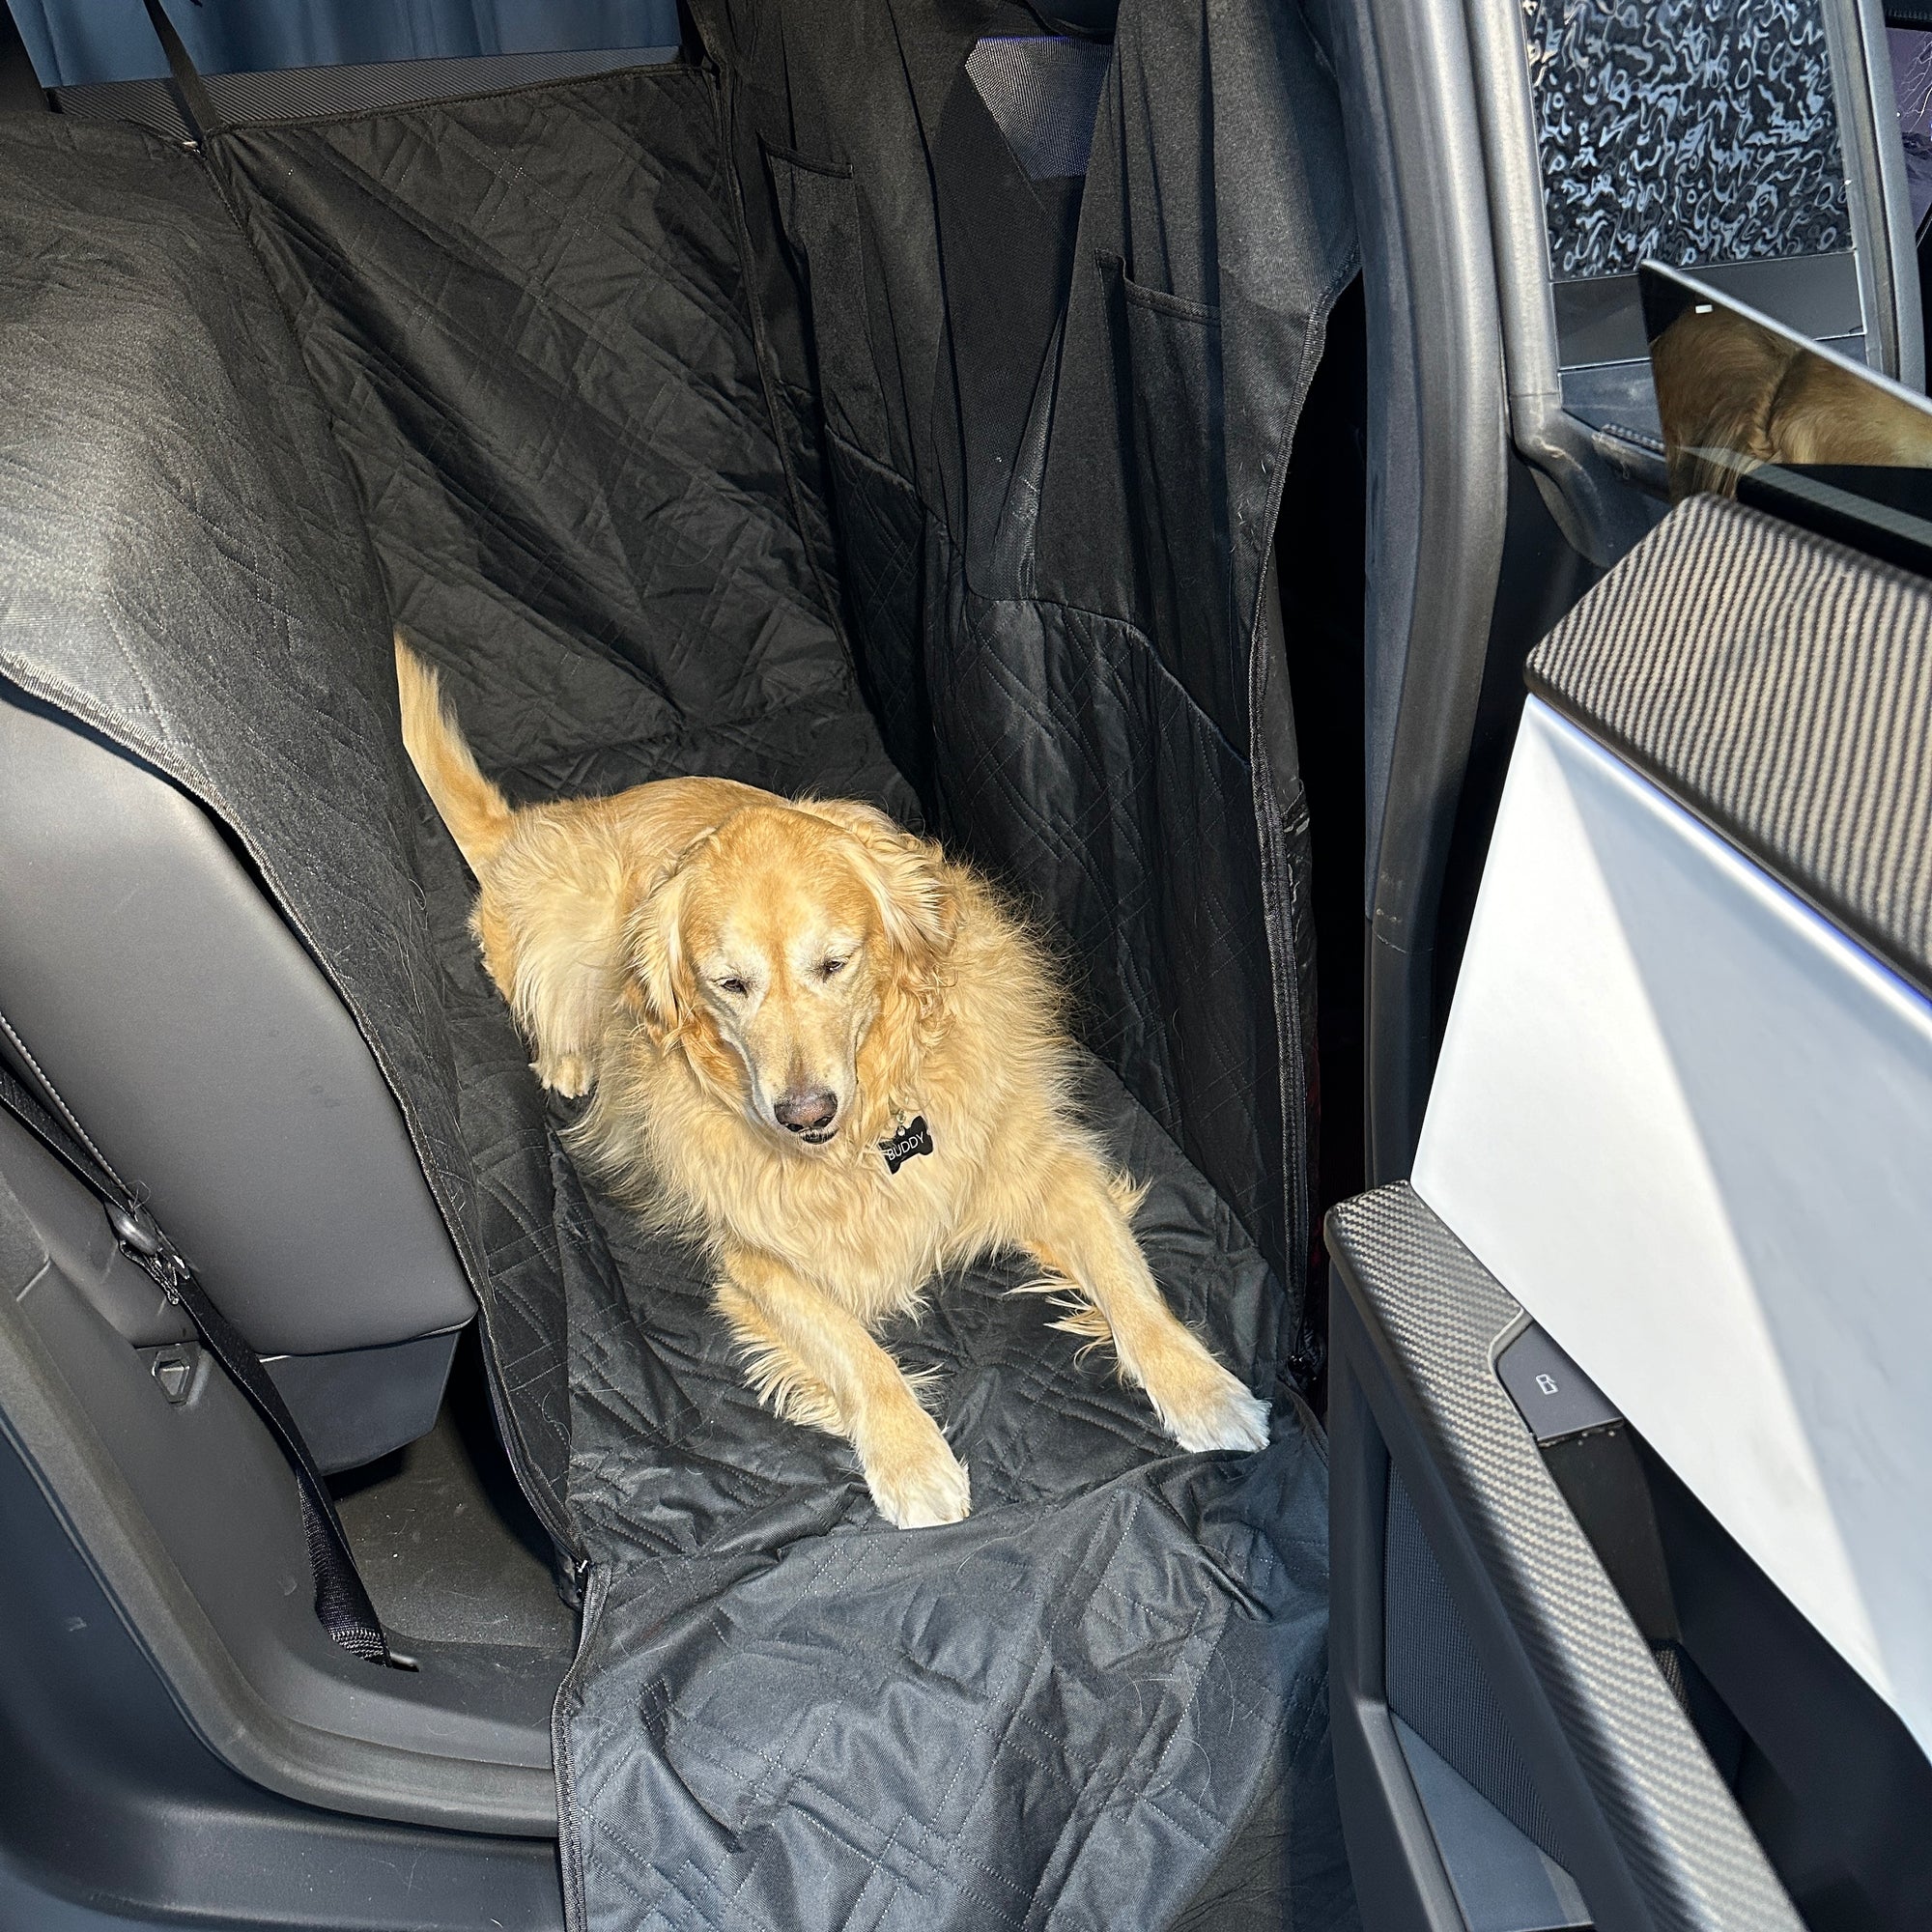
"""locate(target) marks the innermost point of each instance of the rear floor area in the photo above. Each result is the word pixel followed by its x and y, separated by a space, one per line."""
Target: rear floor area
pixel 449 1549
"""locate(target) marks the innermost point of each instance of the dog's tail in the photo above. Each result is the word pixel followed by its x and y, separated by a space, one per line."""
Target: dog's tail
pixel 479 815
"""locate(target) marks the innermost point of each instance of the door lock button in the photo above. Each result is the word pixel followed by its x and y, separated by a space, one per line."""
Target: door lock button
pixel 1556 1398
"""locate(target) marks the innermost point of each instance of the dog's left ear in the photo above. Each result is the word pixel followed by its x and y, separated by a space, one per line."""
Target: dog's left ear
pixel 916 907
pixel 660 986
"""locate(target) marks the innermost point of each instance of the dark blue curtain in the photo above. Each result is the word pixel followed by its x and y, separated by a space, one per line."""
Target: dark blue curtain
pixel 74 42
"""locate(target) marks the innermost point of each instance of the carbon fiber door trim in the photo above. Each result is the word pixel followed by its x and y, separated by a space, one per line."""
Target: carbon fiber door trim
pixel 1779 686
pixel 1652 1836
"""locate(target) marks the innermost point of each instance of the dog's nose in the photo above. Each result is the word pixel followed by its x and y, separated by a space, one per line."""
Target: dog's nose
pixel 807 1113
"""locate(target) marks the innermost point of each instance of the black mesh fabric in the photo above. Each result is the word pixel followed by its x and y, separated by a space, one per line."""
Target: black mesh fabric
pixel 1434 1681
pixel 533 373
pixel 1043 91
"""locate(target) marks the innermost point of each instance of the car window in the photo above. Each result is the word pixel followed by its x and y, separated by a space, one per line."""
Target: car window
pixel 88 43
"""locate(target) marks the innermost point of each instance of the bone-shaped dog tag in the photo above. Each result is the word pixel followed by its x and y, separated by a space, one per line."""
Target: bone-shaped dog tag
pixel 906 1143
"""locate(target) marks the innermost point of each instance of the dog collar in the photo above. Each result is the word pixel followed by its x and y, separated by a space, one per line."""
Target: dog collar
pixel 907 1141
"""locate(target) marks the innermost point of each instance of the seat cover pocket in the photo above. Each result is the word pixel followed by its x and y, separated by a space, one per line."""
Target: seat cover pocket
pixel 818 210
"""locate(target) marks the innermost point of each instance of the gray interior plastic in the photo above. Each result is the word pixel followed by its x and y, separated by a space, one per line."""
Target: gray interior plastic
pixel 352 1405
pixel 355 1405
pixel 205 1052
pixel 189 1514
pixel 1438 434
pixel 1503 1881
pixel 118 1818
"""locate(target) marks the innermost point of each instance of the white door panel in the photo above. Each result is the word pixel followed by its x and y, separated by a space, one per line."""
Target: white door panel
pixel 1688 1124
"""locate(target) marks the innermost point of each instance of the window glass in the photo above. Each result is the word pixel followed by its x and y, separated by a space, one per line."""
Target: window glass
pixel 83 42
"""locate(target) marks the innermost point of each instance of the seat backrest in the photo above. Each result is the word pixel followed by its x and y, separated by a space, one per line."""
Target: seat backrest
pixel 204 1051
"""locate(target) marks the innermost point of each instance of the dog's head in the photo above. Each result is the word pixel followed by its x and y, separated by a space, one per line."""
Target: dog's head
pixel 774 944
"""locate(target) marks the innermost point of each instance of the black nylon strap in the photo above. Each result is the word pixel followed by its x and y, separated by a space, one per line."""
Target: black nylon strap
pixel 191 96
pixel 341 1600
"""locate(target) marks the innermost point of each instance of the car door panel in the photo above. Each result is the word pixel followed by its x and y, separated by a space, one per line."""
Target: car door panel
pixel 1669 1615
pixel 1568 1703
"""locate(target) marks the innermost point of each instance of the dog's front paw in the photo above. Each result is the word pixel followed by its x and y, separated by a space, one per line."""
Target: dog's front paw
pixel 915 1478
pixel 1202 1406
pixel 567 1074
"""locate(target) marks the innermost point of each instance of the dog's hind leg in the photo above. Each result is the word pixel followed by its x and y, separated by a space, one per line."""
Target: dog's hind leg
pixel 815 1362
pixel 1080 1236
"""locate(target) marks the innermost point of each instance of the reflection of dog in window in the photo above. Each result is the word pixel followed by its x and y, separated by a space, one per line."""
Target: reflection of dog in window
pixel 1733 395
pixel 826 1050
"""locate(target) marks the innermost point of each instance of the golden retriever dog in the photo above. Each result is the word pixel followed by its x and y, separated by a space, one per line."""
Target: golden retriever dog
pixel 1733 395
pixel 826 1051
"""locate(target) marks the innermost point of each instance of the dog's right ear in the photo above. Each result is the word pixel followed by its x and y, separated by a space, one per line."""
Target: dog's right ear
pixel 660 984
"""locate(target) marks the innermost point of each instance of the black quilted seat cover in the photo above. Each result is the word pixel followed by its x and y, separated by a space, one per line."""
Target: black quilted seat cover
pixel 523 371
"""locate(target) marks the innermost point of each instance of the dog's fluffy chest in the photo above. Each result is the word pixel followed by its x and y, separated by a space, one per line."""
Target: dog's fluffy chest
pixel 867 1233
pixel 841 1216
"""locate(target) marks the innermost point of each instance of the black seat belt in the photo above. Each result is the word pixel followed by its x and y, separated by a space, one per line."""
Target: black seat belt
pixel 341 1599
pixel 190 95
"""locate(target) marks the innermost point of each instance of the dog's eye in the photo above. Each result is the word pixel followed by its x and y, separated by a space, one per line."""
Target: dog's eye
pixel 830 966
pixel 735 986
